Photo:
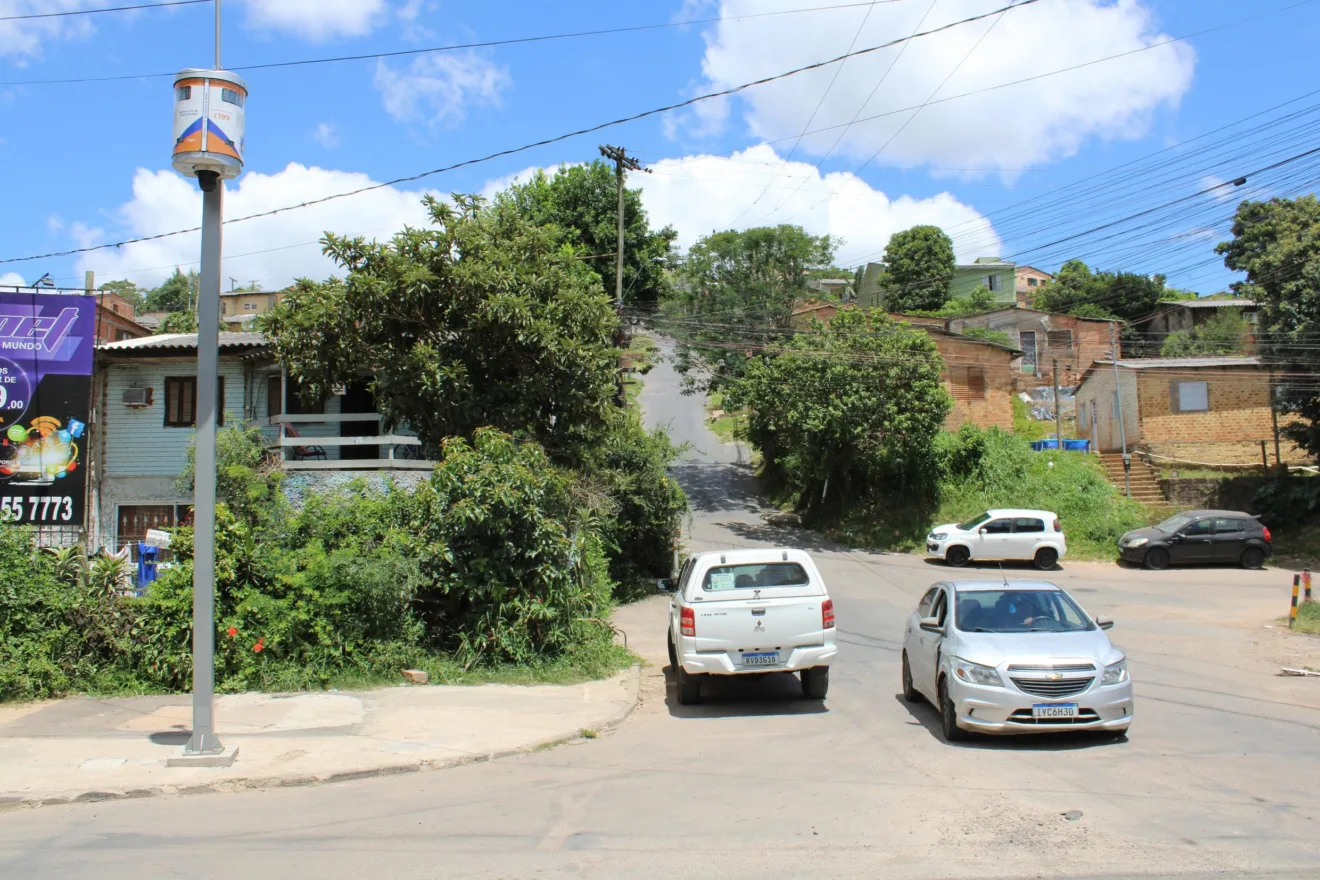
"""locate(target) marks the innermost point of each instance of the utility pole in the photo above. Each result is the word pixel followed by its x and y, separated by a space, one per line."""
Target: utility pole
pixel 1274 419
pixel 1058 408
pixel 622 163
pixel 1118 407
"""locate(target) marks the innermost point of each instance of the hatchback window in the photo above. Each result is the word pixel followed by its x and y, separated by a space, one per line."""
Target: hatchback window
pixel 1200 528
pixel 1019 611
pixel 754 576
pixel 1224 526
pixel 1028 525
pixel 998 527
pixel 1174 523
pixel 973 523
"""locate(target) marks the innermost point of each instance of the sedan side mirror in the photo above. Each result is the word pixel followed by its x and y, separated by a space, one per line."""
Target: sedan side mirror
pixel 667 585
pixel 932 625
pixel 1104 623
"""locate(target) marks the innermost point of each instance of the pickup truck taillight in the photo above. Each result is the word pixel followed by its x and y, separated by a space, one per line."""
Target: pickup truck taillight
pixel 687 622
pixel 827 614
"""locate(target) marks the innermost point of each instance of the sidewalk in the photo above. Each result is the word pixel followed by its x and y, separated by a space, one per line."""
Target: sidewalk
pixel 89 749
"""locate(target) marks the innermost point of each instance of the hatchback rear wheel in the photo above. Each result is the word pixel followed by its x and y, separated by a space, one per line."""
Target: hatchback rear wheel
pixel 1046 558
pixel 1253 557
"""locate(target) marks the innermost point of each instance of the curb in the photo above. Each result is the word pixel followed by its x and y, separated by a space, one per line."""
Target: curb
pixel 632 676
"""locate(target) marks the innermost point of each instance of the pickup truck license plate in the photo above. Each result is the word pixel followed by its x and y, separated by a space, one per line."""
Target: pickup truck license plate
pixel 1054 710
pixel 763 658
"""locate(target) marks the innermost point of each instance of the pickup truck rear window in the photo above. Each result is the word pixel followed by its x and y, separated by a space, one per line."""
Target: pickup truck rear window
pixel 755 576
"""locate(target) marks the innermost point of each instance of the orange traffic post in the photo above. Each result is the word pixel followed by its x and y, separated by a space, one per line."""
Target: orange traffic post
pixel 1292 612
pixel 1306 584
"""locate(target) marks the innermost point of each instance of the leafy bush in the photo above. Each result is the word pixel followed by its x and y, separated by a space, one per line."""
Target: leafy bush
pixel 1288 502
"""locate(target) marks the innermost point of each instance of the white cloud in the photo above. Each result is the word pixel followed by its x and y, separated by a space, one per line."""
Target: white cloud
pixel 326 135
pixel 22 40
pixel 1221 191
pixel 699 195
pixel 317 20
pixel 274 250
pixel 12 279
pixel 1014 127
pixel 438 87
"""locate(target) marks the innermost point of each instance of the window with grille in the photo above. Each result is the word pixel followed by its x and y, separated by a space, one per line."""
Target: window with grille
pixel 967 383
pixel 181 402
pixel 134 520
pixel 1059 338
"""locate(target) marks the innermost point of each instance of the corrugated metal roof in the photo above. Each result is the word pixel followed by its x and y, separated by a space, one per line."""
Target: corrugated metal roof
pixel 182 342
pixel 1211 303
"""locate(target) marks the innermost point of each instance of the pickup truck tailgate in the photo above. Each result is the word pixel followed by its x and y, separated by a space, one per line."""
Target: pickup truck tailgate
pixel 767 628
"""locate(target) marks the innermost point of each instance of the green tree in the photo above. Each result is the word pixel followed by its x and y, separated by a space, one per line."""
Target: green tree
pixel 583 202
pixel 848 411
pixel 918 269
pixel 179 322
pixel 177 294
pixel 737 289
pixel 1226 333
pixel 1277 244
pixel 481 319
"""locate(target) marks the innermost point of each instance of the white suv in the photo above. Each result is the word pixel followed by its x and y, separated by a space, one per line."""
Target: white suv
pixel 1034 535
pixel 747 612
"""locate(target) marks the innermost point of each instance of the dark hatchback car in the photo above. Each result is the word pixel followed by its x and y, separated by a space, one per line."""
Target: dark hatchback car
pixel 1199 537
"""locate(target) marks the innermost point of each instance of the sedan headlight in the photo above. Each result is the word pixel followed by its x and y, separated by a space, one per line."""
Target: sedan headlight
pixel 1135 542
pixel 976 673
pixel 937 536
pixel 1115 673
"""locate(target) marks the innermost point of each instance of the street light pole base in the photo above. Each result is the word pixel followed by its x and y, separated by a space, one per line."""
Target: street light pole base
pixel 221 758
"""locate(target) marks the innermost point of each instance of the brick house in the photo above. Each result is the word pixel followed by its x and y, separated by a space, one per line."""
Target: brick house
pixel 1044 336
pixel 1028 279
pixel 1186 315
pixel 1210 410
pixel 978 375
pixel 116 319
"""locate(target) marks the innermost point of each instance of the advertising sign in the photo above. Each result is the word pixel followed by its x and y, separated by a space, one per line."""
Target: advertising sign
pixel 46 349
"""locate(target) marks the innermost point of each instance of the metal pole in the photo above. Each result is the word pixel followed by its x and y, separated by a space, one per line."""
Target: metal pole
pixel 1274 420
pixel 618 268
pixel 1058 408
pixel 217 34
pixel 1118 398
pixel 204 739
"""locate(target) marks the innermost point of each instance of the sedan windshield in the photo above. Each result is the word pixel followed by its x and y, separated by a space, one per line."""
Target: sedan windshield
pixel 971 524
pixel 1019 611
pixel 1174 523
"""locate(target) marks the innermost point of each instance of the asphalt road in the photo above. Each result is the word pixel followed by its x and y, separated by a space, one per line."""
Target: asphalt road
pixel 1218 778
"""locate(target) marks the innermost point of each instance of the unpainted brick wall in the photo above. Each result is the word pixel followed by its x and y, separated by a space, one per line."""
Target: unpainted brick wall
pixel 996 410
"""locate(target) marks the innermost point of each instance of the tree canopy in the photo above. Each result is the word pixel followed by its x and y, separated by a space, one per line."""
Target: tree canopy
pixel 481 319
pixel 918 270
pixel 1226 333
pixel 583 202
pixel 176 294
pixel 1277 244
pixel 847 411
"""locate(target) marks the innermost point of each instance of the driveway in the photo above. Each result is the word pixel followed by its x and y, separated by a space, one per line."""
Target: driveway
pixel 1217 779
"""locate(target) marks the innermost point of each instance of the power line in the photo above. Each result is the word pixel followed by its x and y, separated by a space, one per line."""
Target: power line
pixel 104 9
pixel 552 140
pixel 487 44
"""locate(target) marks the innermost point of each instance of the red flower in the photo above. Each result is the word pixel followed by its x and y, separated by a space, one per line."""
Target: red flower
pixel 259 645
pixel 232 632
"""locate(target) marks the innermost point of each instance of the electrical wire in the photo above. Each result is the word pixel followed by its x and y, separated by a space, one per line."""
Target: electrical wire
pixel 551 140
pixel 486 44
pixel 103 9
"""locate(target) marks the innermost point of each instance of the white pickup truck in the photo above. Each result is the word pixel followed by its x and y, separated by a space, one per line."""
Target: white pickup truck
pixel 748 612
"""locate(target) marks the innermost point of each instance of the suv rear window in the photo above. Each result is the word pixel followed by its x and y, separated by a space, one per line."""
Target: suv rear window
pixel 758 575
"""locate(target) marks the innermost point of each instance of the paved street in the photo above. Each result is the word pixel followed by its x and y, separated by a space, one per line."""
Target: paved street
pixel 1218 778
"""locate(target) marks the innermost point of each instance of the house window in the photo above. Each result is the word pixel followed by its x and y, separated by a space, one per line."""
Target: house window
pixel 294 406
pixel 1191 397
pixel 1032 282
pixel 1059 338
pixel 181 402
pixel 135 519
pixel 121 335
pixel 992 283
pixel 248 307
pixel 967 383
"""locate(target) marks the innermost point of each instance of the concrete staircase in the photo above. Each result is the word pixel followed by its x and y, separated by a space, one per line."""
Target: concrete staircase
pixel 1144 478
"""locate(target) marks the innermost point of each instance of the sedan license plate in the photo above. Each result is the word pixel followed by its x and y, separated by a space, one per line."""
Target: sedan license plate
pixel 1054 710
pixel 763 658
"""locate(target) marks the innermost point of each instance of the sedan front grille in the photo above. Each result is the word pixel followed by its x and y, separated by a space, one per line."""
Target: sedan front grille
pixel 1064 687
pixel 1067 667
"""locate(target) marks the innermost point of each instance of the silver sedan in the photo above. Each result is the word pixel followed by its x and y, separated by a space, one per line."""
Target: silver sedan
pixel 1020 657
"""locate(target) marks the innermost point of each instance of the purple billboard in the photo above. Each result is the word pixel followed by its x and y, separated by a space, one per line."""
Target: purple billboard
pixel 46 351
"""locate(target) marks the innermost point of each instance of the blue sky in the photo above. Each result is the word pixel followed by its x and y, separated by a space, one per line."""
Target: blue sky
pixel 88 163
